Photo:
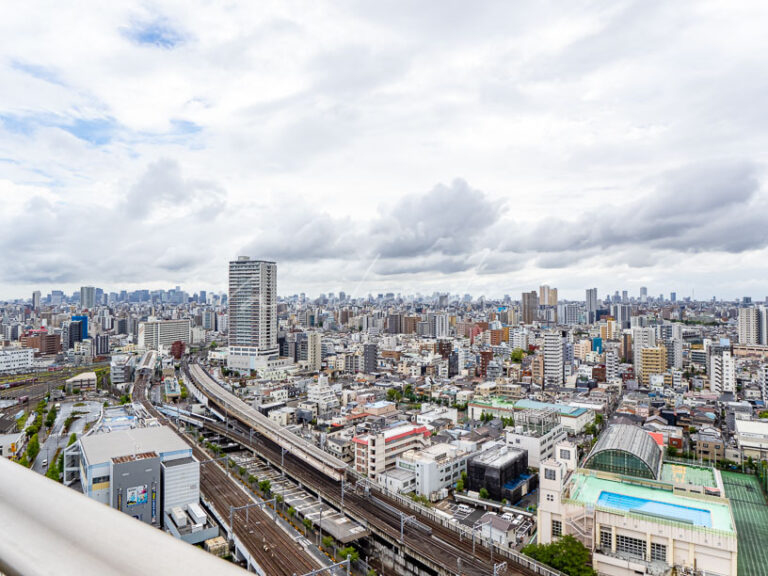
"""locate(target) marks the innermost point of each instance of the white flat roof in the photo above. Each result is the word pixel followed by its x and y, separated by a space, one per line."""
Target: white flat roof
pixel 100 448
pixel 82 377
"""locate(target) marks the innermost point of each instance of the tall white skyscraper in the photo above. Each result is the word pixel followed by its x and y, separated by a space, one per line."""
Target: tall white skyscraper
pixel 252 311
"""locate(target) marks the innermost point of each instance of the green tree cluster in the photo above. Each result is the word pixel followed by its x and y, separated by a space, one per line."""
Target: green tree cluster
pixel 565 554
pixel 517 355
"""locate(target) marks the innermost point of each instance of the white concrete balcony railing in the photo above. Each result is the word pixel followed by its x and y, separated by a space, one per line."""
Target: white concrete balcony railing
pixel 46 528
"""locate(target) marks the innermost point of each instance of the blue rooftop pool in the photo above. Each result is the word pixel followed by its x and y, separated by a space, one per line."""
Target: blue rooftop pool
pixel 675 512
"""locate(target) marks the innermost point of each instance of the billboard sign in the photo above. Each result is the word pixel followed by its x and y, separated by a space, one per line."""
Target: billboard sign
pixel 136 495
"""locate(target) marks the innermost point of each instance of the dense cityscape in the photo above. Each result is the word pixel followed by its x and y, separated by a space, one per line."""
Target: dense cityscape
pixel 619 434
pixel 398 288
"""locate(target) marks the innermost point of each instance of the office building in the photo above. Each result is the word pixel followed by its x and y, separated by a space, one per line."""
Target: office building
pixel 45 343
pixel 16 360
pixel 591 304
pixel 87 298
pixel 36 300
pixel 252 312
pixel 496 470
pixel 83 320
pixel 529 307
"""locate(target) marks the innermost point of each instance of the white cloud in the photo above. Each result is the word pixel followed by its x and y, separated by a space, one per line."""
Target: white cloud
pixel 177 134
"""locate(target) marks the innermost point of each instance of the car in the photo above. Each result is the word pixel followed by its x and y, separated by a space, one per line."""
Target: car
pixel 45 463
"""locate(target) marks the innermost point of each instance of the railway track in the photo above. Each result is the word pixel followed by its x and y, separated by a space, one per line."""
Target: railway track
pixel 269 545
pixel 443 547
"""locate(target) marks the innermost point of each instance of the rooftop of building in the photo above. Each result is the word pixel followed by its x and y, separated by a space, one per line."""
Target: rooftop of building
pixel 632 441
pixel 178 462
pixel 651 501
pixel 84 377
pixel 755 428
pixel 682 474
pixel 101 448
pixel 497 456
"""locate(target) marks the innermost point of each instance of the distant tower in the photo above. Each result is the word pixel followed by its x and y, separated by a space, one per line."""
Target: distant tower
pixel 530 306
pixel 87 297
pixel 591 305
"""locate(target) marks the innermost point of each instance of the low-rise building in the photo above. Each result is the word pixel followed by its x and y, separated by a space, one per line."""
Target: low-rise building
pixel 16 359
pixel 376 452
pixel 435 469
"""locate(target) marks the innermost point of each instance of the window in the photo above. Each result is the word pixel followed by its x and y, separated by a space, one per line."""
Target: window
pixel 658 552
pixel 565 454
pixel 606 540
pixel 557 528
pixel 550 474
pixel 632 546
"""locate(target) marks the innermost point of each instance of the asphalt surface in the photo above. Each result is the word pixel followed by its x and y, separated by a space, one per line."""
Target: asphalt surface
pixel 57 438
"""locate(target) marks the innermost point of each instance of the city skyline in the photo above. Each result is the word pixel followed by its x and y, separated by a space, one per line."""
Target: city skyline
pixel 393 149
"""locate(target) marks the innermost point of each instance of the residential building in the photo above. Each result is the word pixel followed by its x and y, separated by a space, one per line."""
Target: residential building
pixel 252 311
pixel 378 451
pixel 157 334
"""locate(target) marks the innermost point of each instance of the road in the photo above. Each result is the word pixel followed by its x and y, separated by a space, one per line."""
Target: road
pixel 56 439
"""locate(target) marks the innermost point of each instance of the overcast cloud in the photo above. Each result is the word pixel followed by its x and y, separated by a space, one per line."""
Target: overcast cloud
pixel 483 147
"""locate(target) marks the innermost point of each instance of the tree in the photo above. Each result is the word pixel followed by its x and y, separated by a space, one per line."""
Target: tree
pixel 565 554
pixel 460 486
pixel 265 486
pixel 291 512
pixel 599 420
pixel 327 542
pixel 251 479
pixel 307 525
pixel 72 439
pixel 177 349
pixel 33 448
pixel 671 451
pixel 517 355
pixel 484 493
pixel 349 552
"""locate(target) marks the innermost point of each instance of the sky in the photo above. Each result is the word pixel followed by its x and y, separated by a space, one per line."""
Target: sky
pixel 467 147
